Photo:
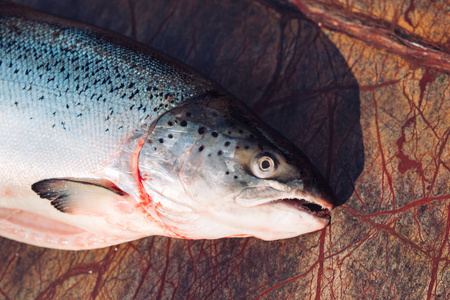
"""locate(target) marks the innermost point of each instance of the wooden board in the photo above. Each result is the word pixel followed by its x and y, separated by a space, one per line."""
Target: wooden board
pixel 374 117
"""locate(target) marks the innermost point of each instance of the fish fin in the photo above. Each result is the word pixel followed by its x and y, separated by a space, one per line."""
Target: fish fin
pixel 75 196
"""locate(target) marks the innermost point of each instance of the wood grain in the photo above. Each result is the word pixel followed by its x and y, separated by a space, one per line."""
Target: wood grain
pixel 374 120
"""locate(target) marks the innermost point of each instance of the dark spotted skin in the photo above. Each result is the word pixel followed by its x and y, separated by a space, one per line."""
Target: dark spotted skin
pixel 84 89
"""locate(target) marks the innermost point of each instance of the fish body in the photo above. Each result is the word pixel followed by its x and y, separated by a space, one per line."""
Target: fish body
pixel 105 141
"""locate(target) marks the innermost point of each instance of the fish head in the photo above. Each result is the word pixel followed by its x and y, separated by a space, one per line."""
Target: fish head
pixel 214 170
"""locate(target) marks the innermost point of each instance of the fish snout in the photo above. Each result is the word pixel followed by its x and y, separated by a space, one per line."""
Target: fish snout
pixel 314 183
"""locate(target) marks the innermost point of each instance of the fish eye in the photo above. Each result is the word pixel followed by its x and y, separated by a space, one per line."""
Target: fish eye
pixel 264 165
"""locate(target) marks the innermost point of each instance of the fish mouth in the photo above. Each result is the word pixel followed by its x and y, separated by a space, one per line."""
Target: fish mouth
pixel 318 206
pixel 306 206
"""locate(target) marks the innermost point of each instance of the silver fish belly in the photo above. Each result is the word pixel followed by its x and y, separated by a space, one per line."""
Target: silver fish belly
pixel 105 141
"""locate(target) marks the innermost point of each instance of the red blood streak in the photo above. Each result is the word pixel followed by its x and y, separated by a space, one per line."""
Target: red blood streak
pixel 146 201
pixel 145 198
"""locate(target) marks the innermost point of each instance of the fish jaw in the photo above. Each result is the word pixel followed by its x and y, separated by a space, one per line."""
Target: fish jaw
pixel 300 212
pixel 265 195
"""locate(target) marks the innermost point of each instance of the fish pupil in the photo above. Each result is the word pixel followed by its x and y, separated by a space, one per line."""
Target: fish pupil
pixel 265 164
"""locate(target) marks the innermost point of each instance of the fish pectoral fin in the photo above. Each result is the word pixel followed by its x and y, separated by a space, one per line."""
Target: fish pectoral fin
pixel 73 196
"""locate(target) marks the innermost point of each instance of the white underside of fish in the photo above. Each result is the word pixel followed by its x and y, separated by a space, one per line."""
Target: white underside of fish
pixel 103 218
pixel 32 228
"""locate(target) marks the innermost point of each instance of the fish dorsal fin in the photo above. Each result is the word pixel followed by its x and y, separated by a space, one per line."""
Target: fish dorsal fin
pixel 74 196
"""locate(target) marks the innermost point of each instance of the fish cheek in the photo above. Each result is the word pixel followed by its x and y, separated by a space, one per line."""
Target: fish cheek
pixel 208 172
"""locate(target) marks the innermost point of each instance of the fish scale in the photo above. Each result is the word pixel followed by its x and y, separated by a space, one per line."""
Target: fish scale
pixel 79 65
pixel 105 141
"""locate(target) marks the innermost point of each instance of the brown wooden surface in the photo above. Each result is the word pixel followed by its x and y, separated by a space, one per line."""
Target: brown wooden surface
pixel 373 116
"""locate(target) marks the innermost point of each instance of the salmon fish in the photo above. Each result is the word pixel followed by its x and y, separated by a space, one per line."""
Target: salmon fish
pixel 104 140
